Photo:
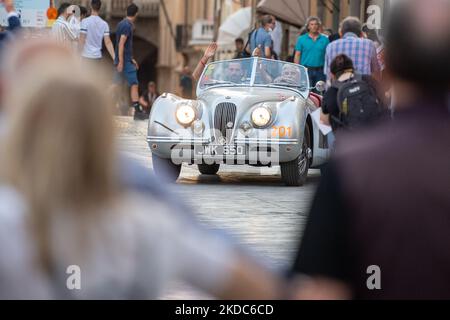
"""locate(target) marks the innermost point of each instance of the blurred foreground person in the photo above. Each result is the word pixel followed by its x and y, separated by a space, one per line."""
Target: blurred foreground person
pixel 379 227
pixel 63 206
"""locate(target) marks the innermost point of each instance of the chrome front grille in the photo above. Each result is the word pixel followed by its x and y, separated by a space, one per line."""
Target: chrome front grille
pixel 224 118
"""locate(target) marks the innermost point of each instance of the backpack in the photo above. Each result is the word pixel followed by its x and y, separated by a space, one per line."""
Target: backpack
pixel 358 103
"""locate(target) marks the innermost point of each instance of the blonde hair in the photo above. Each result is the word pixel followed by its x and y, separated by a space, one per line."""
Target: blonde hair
pixel 59 149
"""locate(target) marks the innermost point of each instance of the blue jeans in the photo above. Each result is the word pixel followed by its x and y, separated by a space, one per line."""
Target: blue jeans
pixel 316 75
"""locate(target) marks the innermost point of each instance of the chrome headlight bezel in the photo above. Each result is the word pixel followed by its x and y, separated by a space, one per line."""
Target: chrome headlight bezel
pixel 189 111
pixel 263 109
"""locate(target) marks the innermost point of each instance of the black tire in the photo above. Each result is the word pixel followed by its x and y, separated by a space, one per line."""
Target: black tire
pixel 295 173
pixel 165 169
pixel 209 169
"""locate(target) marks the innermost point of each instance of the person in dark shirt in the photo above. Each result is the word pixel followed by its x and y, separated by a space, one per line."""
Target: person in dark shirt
pixel 379 225
pixel 148 97
pixel 240 52
pixel 186 83
pixel 126 65
pixel 342 70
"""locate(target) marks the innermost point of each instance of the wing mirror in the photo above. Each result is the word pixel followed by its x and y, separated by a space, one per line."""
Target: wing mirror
pixel 320 86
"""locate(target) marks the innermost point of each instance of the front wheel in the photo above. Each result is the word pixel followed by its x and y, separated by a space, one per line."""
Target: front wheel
pixel 165 169
pixel 295 173
pixel 208 169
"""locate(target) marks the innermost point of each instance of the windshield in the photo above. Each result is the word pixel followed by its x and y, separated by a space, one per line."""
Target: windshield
pixel 255 72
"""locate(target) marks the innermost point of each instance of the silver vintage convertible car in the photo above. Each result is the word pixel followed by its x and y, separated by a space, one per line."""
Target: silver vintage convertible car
pixel 249 111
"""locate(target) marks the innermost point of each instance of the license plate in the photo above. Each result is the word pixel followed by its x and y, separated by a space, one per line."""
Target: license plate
pixel 220 150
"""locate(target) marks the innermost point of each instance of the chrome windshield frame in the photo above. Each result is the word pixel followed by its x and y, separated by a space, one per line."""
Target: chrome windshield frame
pixel 304 93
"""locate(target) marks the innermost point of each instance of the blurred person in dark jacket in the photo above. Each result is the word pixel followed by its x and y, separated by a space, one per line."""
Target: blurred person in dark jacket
pixel 379 226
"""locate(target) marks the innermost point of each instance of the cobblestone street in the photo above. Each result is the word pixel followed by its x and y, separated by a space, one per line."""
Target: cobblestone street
pixel 250 203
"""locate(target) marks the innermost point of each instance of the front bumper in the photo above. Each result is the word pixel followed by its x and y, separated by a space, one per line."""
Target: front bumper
pixel 257 151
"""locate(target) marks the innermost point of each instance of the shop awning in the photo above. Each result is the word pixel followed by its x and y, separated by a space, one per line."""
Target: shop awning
pixel 236 25
pixel 294 12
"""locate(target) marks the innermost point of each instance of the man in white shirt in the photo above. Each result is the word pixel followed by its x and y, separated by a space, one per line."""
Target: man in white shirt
pixel 94 30
pixel 61 30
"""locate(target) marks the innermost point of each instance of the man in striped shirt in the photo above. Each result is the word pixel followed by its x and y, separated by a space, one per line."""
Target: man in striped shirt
pixel 61 30
pixel 362 51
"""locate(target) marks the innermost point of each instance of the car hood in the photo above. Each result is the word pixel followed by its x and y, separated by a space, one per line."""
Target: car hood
pixel 245 96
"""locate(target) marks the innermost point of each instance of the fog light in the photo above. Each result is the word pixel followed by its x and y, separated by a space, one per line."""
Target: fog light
pixel 246 128
pixel 198 127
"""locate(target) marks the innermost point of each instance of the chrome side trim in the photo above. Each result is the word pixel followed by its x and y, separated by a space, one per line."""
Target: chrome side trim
pixel 236 141
pixel 177 139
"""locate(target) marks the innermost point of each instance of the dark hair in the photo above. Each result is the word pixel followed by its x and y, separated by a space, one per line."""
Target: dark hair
pixel 417 59
pixel 239 40
pixel 351 24
pixel 96 5
pixel 83 11
pixel 266 19
pixel 340 64
pixel 132 10
pixel 62 8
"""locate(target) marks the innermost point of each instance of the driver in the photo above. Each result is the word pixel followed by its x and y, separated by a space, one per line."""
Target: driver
pixel 234 72
pixel 289 74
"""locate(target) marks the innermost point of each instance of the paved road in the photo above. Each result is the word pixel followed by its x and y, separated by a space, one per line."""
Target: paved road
pixel 250 203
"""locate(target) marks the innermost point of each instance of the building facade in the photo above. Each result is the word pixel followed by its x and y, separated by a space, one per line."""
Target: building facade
pixel 171 34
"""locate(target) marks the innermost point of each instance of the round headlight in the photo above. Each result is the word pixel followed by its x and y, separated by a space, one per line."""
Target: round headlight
pixel 185 114
pixel 261 116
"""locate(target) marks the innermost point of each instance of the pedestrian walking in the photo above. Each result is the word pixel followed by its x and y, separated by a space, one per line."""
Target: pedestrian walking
pixel 379 224
pixel 310 50
pixel 95 32
pixel 125 63
pixel 361 51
